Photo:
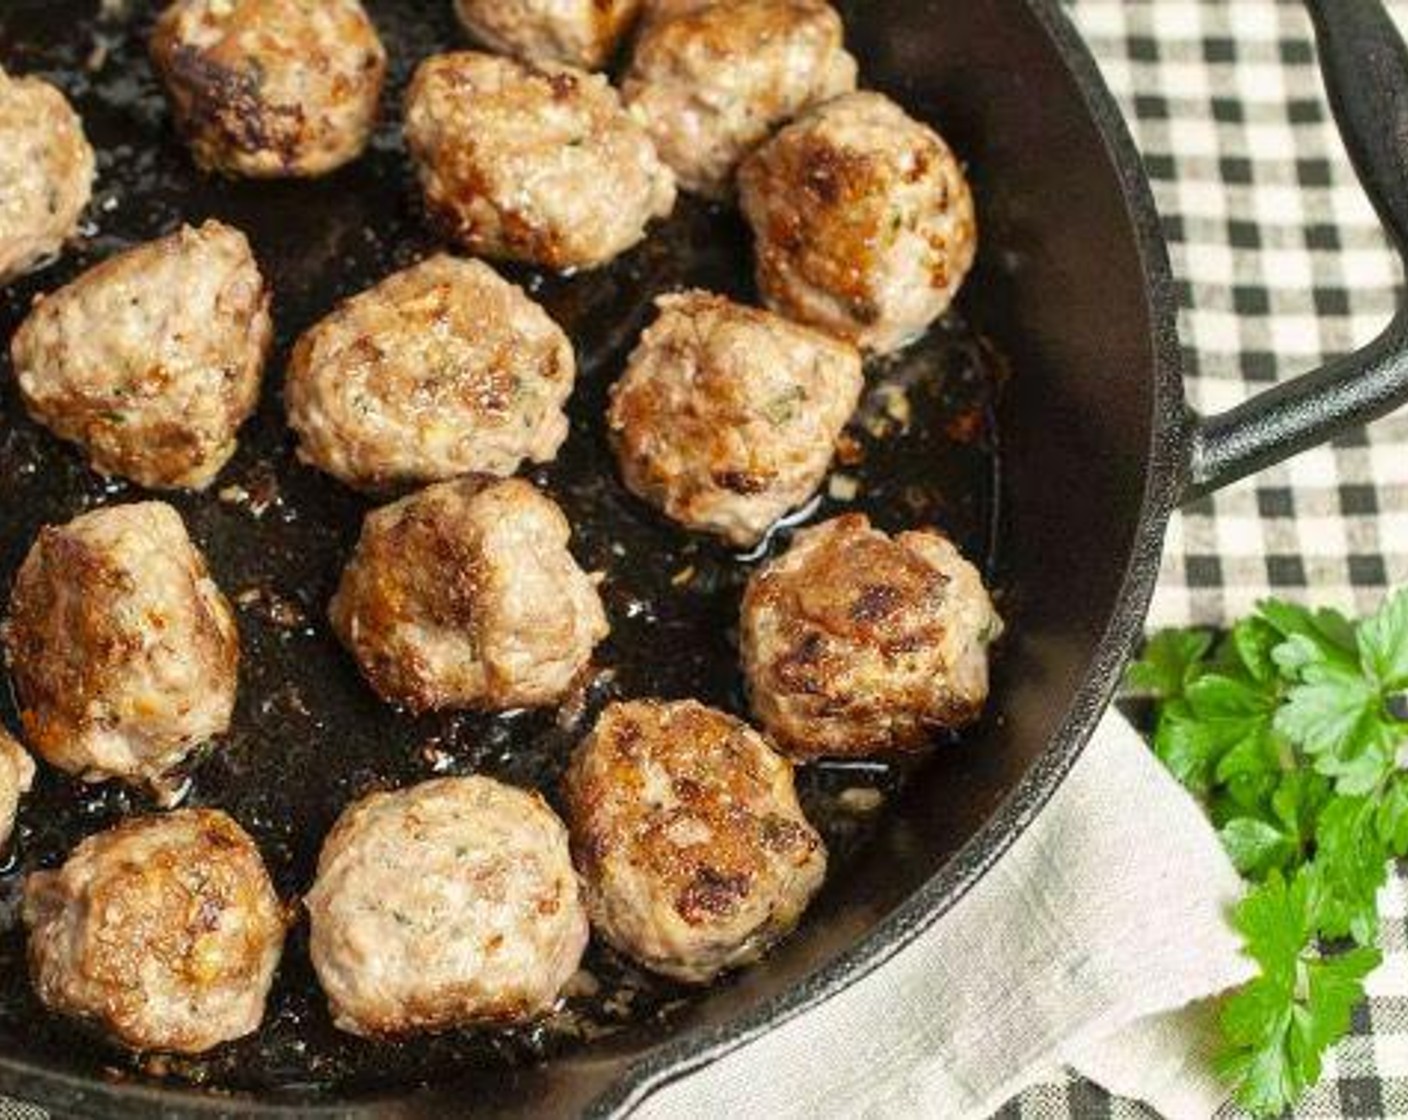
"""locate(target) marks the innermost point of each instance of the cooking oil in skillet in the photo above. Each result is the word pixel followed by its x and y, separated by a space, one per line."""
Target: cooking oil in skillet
pixel 308 735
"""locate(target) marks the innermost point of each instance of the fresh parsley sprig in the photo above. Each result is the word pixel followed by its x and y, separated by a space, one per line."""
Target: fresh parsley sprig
pixel 1293 731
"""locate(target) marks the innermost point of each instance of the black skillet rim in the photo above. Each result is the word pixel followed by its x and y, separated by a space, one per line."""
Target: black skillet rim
pixel 1164 481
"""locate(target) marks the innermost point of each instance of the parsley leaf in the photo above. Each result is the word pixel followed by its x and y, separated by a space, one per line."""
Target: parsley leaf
pixel 1297 803
pixel 1349 868
pixel 1383 643
pixel 1327 630
pixel 1392 816
pixel 1217 731
pixel 1293 730
pixel 1279 1026
pixel 1333 714
pixel 1170 662
pixel 1255 639
pixel 1187 747
pixel 1256 846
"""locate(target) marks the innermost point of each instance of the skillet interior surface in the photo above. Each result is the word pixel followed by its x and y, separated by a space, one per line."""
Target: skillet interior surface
pixel 1052 344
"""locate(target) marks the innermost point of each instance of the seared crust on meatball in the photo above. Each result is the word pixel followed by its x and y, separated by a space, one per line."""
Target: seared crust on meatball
pixel 577 32
pixel 123 652
pixel 271 88
pixel 855 643
pixel 46 166
pixel 464 596
pixel 532 163
pixel 864 221
pixel 151 360
pixel 449 903
pixel 164 932
pixel 16 776
pixel 712 79
pixel 685 826
pixel 727 416
pixel 438 371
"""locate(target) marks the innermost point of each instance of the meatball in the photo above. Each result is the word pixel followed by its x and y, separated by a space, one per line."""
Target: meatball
pixel 123 651
pixel 46 165
pixel 464 596
pixel 711 79
pixel 441 370
pixel 271 88
pixel 151 360
pixel 532 163
pixel 864 221
pixel 164 931
pixel 727 416
pixel 855 643
pixel 16 776
pixel 449 903
pixel 686 829
pixel 578 32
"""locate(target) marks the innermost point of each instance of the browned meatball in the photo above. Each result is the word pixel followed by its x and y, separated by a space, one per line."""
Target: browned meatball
pixel 440 370
pixel 449 903
pixel 46 168
pixel 123 651
pixel 271 88
pixel 856 643
pixel 686 829
pixel 532 163
pixel 16 776
pixel 864 221
pixel 713 78
pixel 465 596
pixel 164 931
pixel 727 416
pixel 578 32
pixel 151 360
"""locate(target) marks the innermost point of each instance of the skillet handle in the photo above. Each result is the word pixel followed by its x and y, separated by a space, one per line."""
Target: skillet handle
pixel 1365 66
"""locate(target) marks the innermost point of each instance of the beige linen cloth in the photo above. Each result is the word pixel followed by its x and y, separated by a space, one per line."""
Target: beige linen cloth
pixel 1089 943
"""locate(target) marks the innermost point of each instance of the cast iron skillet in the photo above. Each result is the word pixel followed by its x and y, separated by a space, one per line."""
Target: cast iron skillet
pixel 1063 341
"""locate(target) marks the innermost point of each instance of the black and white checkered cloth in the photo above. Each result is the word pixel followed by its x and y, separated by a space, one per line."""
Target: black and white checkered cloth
pixel 1280 263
